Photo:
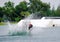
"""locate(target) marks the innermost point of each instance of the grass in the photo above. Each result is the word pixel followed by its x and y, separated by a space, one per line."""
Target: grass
pixel 2 23
pixel 13 22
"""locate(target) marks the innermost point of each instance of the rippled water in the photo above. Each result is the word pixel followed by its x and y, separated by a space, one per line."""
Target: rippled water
pixel 51 34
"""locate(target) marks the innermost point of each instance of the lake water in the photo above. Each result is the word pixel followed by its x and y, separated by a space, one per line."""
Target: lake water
pixel 51 34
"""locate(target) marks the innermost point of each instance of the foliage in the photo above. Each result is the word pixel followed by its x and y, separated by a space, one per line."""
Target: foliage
pixel 37 5
pixel 9 4
pixel 25 14
pixel 17 19
pixel 57 12
pixel 24 9
pixel 0 19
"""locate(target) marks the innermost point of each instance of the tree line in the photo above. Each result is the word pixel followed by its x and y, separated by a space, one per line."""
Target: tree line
pixel 24 9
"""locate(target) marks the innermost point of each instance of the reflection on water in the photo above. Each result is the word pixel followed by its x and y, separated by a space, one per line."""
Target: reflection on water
pixel 47 35
pixel 3 30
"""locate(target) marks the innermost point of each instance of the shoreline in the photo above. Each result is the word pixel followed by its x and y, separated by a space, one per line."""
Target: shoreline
pixel 4 23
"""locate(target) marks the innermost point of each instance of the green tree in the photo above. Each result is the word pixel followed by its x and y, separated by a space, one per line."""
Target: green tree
pixel 57 11
pixel 9 10
pixel 1 12
pixel 21 8
pixel 9 4
pixel 53 12
pixel 24 14
pixel 37 5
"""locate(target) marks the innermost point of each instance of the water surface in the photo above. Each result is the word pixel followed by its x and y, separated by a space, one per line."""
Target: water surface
pixel 51 34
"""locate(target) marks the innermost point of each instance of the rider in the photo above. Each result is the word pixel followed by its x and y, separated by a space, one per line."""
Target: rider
pixel 30 26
